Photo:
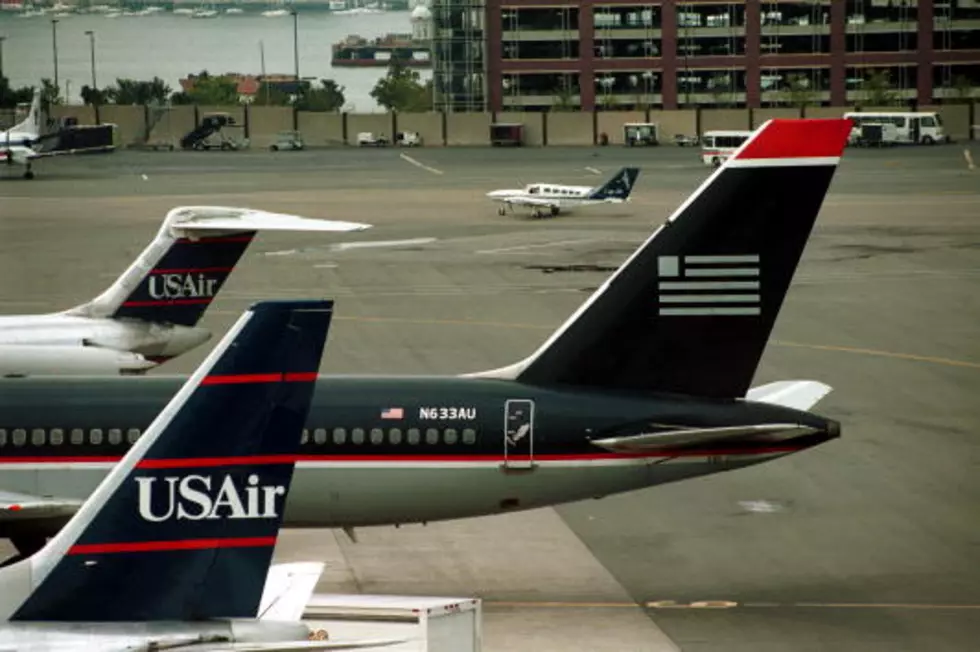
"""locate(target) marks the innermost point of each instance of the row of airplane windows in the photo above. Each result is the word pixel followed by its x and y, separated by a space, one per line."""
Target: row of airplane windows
pixel 339 436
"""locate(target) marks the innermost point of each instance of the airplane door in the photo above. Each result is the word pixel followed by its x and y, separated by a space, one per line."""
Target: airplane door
pixel 519 434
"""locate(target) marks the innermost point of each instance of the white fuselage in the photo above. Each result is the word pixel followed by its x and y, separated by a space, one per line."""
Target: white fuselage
pixel 546 194
pixel 60 343
pixel 105 637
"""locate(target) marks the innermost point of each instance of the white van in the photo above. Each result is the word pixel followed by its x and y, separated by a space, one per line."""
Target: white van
pixel 912 128
pixel 717 146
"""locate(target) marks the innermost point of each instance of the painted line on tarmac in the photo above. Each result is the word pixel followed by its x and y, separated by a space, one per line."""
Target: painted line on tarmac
pixel 729 604
pixel 419 164
pixel 883 354
pixel 594 170
pixel 560 605
pixel 370 244
pixel 504 250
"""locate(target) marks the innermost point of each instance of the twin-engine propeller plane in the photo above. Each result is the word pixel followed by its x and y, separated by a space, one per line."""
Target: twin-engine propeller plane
pixel 173 547
pixel 21 144
pixel 150 314
pixel 648 382
pixel 552 198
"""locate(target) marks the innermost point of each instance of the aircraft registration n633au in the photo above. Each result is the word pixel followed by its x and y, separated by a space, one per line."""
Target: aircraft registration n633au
pixel 648 382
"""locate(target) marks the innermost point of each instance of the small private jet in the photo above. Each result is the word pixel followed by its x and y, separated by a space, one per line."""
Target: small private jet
pixel 21 144
pixel 552 198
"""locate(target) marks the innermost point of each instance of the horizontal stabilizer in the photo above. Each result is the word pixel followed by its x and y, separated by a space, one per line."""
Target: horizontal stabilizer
pixel 288 588
pixel 195 219
pixel 795 394
pixel 26 507
pixel 697 436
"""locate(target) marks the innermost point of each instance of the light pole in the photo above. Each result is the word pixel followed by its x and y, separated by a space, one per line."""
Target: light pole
pixel 54 46
pixel 295 15
pixel 2 39
pixel 91 41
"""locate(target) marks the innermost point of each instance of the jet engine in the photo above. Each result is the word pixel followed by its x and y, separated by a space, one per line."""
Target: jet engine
pixel 35 360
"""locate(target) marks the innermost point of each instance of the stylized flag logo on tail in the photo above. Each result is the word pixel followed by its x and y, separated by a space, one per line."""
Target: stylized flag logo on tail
pixel 710 285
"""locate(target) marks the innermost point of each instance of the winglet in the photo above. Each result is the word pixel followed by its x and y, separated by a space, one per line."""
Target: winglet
pixel 822 141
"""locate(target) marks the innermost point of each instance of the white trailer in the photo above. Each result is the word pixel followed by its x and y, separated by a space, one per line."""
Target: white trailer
pixel 427 624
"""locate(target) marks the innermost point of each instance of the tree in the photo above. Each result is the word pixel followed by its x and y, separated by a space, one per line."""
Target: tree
pixel 10 97
pixel 330 97
pixel 95 95
pixel 878 89
pixel 272 95
pixel 131 91
pixel 963 87
pixel 798 91
pixel 214 91
pixel 401 90
pixel 50 94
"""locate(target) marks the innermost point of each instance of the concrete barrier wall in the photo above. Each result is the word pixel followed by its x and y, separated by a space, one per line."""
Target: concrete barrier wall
pixel 468 128
pixel 568 128
pixel 320 128
pixel 724 120
pixel 827 111
pixel 427 125
pixel 130 122
pixel 265 122
pixel 168 126
pixel 684 122
pixel 533 122
pixel 375 123
pixel 956 119
pixel 759 116
pixel 84 114
pixel 611 123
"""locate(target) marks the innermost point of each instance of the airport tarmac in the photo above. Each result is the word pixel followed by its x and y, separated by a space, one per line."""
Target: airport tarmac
pixel 870 542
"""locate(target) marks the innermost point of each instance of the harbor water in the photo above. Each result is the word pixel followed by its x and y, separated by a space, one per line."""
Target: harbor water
pixel 172 46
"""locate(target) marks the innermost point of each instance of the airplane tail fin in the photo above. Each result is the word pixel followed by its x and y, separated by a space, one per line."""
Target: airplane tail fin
pixel 690 312
pixel 179 274
pixel 31 124
pixel 619 186
pixel 184 526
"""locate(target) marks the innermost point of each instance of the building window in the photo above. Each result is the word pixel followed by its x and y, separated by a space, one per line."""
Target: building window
pixel 879 86
pixel 956 81
pixel 539 18
pixel 627 17
pixel 540 50
pixel 862 12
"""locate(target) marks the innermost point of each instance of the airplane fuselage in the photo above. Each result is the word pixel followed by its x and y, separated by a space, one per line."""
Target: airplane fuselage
pixel 63 343
pixel 392 450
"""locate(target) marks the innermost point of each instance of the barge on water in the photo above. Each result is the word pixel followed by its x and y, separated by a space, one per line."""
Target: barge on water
pixel 355 51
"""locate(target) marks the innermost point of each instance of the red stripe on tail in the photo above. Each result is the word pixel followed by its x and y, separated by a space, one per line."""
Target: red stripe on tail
pixel 799 139
pixel 185 544
pixel 276 377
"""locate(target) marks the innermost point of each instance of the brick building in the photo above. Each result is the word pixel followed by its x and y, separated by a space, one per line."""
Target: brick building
pixel 621 54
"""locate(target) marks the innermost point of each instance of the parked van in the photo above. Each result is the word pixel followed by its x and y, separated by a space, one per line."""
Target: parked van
pixel 925 128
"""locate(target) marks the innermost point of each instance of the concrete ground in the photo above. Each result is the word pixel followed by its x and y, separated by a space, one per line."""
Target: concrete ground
pixel 870 542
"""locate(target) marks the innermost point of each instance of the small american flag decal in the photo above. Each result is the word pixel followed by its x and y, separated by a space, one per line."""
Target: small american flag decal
pixel 393 413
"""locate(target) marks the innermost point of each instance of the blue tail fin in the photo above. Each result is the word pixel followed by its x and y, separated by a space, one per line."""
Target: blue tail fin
pixel 184 526
pixel 618 187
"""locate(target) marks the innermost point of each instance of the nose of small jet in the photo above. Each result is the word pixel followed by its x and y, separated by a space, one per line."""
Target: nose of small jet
pixel 496 194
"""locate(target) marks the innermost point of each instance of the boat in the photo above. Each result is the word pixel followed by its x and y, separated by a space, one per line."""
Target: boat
pixel 355 51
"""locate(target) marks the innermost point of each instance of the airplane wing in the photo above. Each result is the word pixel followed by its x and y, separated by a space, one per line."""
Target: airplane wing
pixel 221 218
pixel 290 646
pixel 796 394
pixel 26 507
pixel 696 436
pixel 528 201
pixel 72 152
